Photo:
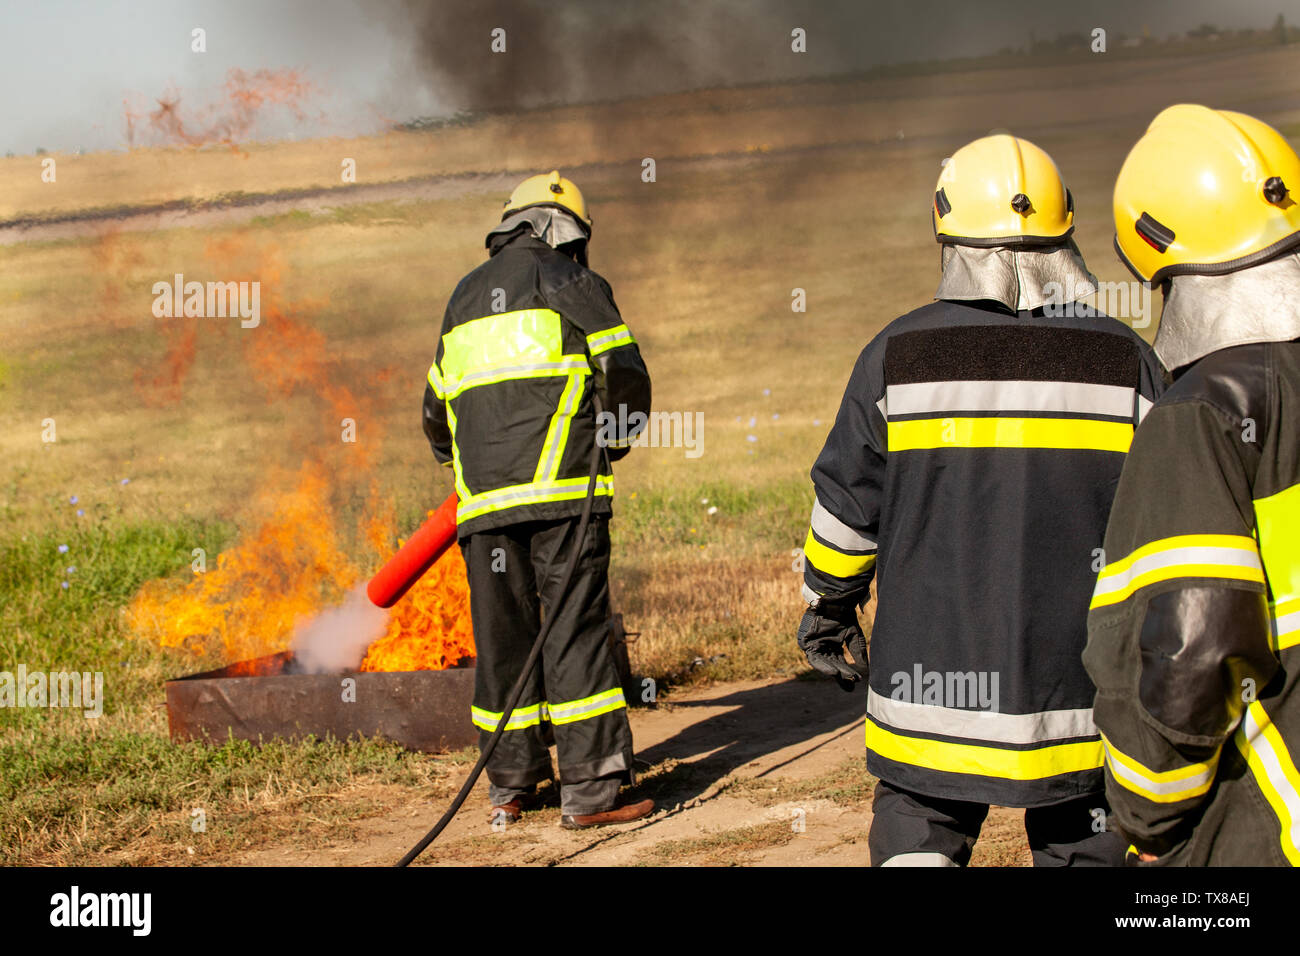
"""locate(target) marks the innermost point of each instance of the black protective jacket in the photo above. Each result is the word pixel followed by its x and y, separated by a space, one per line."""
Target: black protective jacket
pixel 970 471
pixel 1194 632
pixel 525 339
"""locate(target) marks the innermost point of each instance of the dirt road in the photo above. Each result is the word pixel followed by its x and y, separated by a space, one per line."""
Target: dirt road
pixel 750 773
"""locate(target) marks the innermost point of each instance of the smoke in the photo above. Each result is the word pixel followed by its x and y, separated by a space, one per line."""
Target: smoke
pixel 589 50
pixel 336 639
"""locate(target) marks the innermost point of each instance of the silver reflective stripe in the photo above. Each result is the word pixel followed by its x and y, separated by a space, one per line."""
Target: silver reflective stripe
pixel 811 596
pixel 599 342
pixel 1010 396
pixel 549 467
pixel 883 407
pixel 1284 625
pixel 1173 557
pixel 982 724
pixel 1278 768
pixel 506 372
pixel 574 710
pixel 918 859
pixel 1142 783
pixel 541 489
pixel 835 531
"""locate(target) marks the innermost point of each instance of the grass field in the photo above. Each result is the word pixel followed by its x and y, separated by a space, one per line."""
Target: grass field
pixel 169 430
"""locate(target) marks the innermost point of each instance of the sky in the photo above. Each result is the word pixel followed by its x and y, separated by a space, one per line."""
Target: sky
pixel 67 68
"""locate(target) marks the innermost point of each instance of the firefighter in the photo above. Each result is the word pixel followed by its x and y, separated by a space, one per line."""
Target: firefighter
pixel 970 472
pixel 1194 629
pixel 527 338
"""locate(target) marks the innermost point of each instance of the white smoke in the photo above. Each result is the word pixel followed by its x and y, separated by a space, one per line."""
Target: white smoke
pixel 336 639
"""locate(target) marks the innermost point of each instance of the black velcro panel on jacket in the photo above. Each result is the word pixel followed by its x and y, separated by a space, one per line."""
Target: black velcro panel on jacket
pixel 1011 353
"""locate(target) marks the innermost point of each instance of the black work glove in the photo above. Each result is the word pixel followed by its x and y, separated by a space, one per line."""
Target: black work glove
pixel 824 633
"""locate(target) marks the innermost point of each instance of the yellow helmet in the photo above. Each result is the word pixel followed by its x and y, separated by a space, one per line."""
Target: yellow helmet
pixel 1001 190
pixel 1207 192
pixel 550 189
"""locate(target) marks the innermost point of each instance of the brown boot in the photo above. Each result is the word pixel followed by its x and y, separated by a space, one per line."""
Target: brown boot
pixel 624 814
pixel 510 812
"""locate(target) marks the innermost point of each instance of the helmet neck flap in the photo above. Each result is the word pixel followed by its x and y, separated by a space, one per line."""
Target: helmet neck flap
pixel 1016 276
pixel 1205 313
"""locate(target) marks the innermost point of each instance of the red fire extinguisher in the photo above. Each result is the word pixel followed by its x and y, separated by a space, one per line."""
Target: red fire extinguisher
pixel 418 555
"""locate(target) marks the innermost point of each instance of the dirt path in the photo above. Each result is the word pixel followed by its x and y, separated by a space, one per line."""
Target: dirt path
pixel 734 769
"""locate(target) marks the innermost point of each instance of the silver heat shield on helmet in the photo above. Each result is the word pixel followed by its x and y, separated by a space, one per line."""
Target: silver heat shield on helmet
pixel 1021 278
pixel 551 225
pixel 1203 314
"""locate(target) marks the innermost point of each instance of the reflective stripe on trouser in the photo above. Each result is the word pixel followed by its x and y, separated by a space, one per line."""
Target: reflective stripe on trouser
pixel 513 574
pixel 913 829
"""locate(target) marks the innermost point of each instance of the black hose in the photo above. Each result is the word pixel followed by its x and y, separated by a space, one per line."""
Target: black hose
pixel 534 655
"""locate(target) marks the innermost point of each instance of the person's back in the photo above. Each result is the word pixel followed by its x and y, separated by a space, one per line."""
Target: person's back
pixel 524 322
pixel 530 341
pixel 1194 630
pixel 970 472
pixel 1003 437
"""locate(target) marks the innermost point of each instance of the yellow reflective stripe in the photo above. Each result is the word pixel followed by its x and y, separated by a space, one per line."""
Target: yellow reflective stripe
pixel 593 706
pixel 1230 556
pixel 506 338
pixel 520 719
pixel 528 343
pixel 568 365
pixel 607 339
pixel 435 381
pixel 1159 786
pixel 1274 771
pixel 1286 624
pixel 998 762
pixel 462 490
pixel 557 434
pixel 833 562
pixel 1277 519
pixel 536 492
pixel 1009 433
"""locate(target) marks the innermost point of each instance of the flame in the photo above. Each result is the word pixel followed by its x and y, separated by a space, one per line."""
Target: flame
pixel 429 628
pixel 247 606
pixel 246 97
pixel 294 562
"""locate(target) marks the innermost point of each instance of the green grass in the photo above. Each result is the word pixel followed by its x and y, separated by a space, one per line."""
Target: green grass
pixel 47 625
pixel 74 789
pixel 76 797
pixel 757 518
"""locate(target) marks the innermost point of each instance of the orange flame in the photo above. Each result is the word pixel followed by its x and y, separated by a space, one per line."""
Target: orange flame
pixel 429 628
pixel 225 123
pixel 294 562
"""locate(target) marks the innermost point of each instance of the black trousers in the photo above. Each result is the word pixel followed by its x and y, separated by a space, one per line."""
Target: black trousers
pixel 911 829
pixel 575 698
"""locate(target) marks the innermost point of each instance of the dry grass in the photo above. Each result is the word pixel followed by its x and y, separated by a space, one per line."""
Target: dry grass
pixel 812 189
pixel 727 848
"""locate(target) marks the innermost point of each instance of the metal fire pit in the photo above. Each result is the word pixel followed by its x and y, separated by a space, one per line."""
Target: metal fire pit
pixel 265 698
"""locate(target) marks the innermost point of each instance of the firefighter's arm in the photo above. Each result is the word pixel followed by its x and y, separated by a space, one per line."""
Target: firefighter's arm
pixel 1178 630
pixel 848 478
pixel 621 378
pixel 435 419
